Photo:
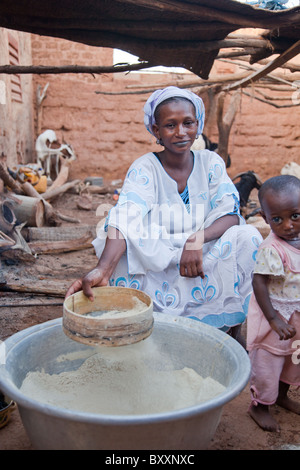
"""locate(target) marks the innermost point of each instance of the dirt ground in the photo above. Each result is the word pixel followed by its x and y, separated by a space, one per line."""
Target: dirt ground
pixel 19 310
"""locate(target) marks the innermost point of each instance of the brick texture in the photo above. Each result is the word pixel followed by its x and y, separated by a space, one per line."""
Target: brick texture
pixel 107 131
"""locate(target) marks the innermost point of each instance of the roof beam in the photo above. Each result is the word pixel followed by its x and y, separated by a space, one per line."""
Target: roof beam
pixel 274 64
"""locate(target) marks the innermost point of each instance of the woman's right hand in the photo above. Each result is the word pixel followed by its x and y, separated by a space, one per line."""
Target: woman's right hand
pixel 115 246
pixel 94 278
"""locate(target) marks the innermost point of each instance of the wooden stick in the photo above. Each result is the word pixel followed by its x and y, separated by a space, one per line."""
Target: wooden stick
pixel 274 64
pixel 51 234
pixel 225 124
pixel 42 304
pixel 54 192
pixel 61 246
pixel 62 176
pixel 45 69
pixel 35 287
pixel 9 181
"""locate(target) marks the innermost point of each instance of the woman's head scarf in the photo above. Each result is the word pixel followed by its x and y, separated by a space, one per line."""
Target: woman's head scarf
pixel 171 92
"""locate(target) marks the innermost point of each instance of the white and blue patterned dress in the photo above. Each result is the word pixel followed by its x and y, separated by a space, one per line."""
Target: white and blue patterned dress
pixel 156 221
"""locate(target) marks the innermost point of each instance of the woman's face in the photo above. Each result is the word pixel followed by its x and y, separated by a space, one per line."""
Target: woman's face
pixel 282 212
pixel 176 126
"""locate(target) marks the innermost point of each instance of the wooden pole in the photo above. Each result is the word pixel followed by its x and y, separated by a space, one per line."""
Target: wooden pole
pixel 274 64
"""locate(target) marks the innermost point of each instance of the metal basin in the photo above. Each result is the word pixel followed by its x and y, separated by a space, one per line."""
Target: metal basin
pixel 188 343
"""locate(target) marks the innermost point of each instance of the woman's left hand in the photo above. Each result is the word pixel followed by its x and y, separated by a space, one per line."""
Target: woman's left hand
pixel 191 262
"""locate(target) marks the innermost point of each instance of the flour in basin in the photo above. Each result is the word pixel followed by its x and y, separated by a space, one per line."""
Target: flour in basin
pixel 122 381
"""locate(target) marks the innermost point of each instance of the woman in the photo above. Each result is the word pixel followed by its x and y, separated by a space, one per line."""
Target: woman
pixel 176 232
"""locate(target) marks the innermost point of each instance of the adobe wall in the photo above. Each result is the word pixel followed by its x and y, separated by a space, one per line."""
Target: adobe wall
pixel 16 117
pixel 107 131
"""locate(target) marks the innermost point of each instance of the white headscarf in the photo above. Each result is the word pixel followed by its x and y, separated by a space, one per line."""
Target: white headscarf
pixel 170 92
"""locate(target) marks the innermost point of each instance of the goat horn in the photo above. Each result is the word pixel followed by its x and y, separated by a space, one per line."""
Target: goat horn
pixel 258 179
pixel 238 175
pixel 244 173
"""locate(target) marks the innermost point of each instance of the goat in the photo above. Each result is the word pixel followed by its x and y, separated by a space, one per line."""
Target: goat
pixel 291 168
pixel 45 152
pixel 203 142
pixel 248 181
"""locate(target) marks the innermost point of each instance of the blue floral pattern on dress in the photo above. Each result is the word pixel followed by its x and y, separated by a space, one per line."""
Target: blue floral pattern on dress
pixel 138 177
pixel 164 297
pixel 223 190
pixel 129 282
pixel 221 250
pixel 203 293
pixel 214 173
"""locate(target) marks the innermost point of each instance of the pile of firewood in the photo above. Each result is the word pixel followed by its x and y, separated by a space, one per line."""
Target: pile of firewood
pixel 21 205
pixel 24 211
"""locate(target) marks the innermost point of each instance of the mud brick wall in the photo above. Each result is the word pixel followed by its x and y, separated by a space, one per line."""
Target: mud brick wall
pixel 107 131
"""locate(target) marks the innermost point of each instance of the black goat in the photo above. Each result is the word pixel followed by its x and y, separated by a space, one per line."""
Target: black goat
pixel 248 181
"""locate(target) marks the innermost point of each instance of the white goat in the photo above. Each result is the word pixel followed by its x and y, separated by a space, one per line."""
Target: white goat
pixel 45 152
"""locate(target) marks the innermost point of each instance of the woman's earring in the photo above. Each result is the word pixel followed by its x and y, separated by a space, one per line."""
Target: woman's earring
pixel 159 142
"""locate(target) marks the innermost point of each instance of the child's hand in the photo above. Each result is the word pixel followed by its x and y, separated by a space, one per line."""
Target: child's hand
pixel 284 330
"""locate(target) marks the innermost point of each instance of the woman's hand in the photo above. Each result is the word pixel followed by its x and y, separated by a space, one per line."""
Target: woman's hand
pixel 114 248
pixel 95 278
pixel 191 262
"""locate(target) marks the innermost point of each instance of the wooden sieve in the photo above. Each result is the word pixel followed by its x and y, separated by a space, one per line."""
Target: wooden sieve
pixel 83 322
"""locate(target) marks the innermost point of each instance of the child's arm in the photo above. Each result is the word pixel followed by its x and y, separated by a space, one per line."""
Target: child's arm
pixel 260 288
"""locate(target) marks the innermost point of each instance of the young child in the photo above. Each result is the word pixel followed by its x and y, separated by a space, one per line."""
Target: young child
pixel 273 322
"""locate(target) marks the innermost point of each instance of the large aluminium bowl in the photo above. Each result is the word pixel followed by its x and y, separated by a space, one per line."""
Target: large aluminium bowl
pixel 187 342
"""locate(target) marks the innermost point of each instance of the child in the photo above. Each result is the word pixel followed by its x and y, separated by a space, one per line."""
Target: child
pixel 273 323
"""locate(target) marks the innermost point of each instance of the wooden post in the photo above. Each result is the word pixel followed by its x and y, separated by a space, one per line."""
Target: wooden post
pixel 225 124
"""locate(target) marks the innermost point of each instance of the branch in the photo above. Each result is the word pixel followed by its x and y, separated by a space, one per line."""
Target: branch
pixel 268 102
pixel 45 69
pixel 280 60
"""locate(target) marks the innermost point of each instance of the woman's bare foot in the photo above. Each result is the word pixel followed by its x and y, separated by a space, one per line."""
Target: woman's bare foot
pixel 261 415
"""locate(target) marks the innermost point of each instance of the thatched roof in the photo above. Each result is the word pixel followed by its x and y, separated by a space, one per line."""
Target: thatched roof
pixel 185 33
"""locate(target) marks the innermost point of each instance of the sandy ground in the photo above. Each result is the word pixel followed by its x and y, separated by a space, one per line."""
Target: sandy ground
pixel 236 430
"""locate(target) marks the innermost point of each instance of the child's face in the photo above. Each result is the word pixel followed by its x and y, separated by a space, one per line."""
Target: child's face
pixel 282 212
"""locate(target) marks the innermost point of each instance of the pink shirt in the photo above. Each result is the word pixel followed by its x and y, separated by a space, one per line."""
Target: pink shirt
pixel 281 262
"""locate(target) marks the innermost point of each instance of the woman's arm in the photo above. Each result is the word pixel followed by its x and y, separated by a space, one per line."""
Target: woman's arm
pixel 191 262
pixel 261 292
pixel 219 227
pixel 114 248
